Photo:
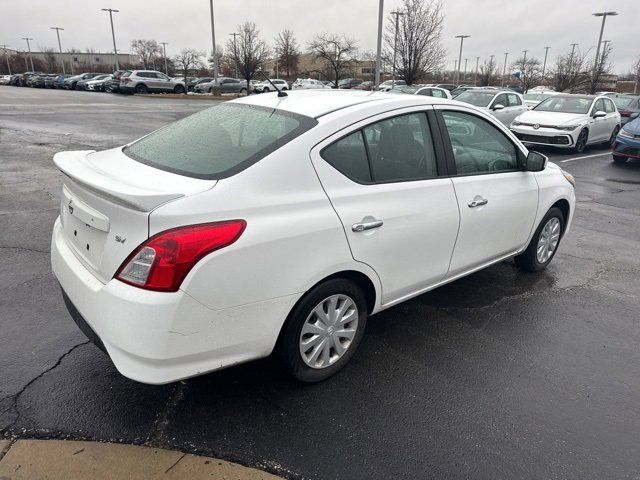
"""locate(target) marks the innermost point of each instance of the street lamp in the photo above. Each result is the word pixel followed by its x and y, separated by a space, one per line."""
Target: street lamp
pixel 4 49
pixel 57 29
pixel 544 64
pixel 397 13
pixel 461 37
pixel 29 48
pixel 113 35
pixel 504 68
pixel 164 53
pixel 213 43
pixel 464 79
pixel 604 16
pixel 235 52
pixel 376 82
pixel 475 79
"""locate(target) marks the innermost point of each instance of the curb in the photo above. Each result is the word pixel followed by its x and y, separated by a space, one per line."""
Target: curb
pixel 76 460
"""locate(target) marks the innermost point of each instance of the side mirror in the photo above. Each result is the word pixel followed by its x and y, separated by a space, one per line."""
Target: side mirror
pixel 499 106
pixel 599 114
pixel 536 162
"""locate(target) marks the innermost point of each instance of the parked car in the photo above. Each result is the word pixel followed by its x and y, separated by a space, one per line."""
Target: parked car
pixel 197 81
pixel 83 84
pixel 389 84
pixel 516 87
pixel 347 83
pixel 49 80
pixel 422 90
pixel 97 84
pixel 462 88
pixel 446 86
pixel 5 79
pixel 267 87
pixel 308 84
pixel 627 105
pixel 505 105
pixel 148 81
pixel 627 143
pixel 112 85
pixel 534 97
pixel 23 78
pixel 166 249
pixel 367 86
pixel 569 121
pixel 32 80
pixel 14 79
pixel 227 85
pixel 58 81
pixel 71 83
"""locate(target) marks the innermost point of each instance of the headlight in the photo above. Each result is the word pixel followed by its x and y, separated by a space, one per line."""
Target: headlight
pixel 624 133
pixel 569 178
pixel 569 128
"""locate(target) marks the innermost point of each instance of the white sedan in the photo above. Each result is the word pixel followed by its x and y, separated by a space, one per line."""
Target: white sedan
pixel 505 105
pixel 569 121
pixel 308 84
pixel 282 223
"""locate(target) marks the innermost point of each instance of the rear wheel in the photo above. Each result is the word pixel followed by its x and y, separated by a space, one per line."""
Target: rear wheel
pixel 243 91
pixel 323 331
pixel 265 90
pixel 178 89
pixel 141 89
pixel 544 244
pixel 614 134
pixel 620 159
pixel 581 142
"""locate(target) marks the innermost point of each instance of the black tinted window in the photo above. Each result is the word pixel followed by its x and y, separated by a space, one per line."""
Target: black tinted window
pixel 349 156
pixel 219 141
pixel 478 146
pixel 401 148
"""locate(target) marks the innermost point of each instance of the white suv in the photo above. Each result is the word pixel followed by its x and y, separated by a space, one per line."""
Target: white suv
pixel 270 223
pixel 149 81
pixel 265 86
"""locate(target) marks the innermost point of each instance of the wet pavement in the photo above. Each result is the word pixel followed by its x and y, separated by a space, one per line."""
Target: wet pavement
pixel 498 375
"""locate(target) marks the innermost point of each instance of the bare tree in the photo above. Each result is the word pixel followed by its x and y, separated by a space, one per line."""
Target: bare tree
pixel 50 59
pixel 336 51
pixel 530 71
pixel 635 73
pixel 599 67
pixel 287 53
pixel 248 51
pixel 487 72
pixel 568 72
pixel 147 50
pixel 186 61
pixel 419 49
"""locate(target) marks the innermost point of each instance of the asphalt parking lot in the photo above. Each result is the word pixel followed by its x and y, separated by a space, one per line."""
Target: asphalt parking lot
pixel 498 375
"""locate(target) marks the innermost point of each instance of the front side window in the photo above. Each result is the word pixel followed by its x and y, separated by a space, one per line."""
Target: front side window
pixel 513 100
pixel 608 106
pixel 500 100
pixel 478 146
pixel 219 141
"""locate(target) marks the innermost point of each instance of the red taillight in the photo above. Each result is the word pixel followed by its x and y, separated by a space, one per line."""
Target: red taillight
pixel 162 262
pixel 625 113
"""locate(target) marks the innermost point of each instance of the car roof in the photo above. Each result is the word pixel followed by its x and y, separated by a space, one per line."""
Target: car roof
pixel 316 103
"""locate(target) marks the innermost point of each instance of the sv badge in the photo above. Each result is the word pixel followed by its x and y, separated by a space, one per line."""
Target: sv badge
pixel 70 207
pixel 120 239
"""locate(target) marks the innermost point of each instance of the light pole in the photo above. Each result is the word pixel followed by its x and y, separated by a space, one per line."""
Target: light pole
pixel 57 29
pixel 376 82
pixel 604 16
pixel 4 49
pixel 397 13
pixel 113 35
pixel 604 50
pixel 164 53
pixel 461 37
pixel 504 68
pixel 544 64
pixel 475 79
pixel 213 44
pixel 455 66
pixel 29 48
pixel 464 79
pixel 235 51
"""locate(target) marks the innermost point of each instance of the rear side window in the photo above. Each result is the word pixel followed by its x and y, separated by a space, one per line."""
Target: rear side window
pixel 349 156
pixel 220 141
pixel 608 106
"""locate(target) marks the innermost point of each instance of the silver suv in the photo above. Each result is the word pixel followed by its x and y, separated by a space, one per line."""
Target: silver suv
pixel 227 85
pixel 148 81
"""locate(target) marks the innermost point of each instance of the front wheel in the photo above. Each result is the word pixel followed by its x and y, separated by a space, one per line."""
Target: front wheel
pixel 620 159
pixel 323 331
pixel 544 244
pixel 581 142
pixel 178 89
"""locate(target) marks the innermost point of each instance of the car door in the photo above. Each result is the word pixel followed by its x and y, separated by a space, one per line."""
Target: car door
pixel 498 201
pixel 503 113
pixel 386 181
pixel 613 116
pixel 514 107
pixel 598 129
pixel 163 82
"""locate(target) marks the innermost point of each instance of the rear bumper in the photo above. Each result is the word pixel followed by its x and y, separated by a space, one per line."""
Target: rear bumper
pixel 155 337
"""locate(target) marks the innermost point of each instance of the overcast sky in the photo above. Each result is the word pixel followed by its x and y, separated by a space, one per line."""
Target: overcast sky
pixel 495 26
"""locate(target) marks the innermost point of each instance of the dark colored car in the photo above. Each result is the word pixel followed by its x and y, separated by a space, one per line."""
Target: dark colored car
pixel 14 79
pixel 35 81
pixel 462 88
pixel 627 143
pixel 22 81
pixel 516 88
pixel 627 105
pixel 349 82
pixel 58 81
pixel 364 86
pixel 82 84
pixel 113 85
pixel 191 83
pixel 72 82
pixel 49 80
pixel 447 86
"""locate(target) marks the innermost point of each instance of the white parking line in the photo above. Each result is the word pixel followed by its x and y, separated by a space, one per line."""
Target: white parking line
pixel 586 156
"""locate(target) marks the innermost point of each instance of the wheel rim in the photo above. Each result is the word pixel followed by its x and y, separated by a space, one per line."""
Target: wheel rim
pixel 614 134
pixel 582 140
pixel 328 331
pixel 548 241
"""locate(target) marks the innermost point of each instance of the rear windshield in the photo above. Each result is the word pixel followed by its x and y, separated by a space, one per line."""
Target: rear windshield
pixel 220 141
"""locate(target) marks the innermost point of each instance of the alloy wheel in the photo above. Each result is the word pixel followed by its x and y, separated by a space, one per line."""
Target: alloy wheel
pixel 581 143
pixel 328 331
pixel 614 134
pixel 548 241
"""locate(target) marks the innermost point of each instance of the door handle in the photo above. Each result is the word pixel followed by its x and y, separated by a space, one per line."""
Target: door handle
pixel 361 227
pixel 477 202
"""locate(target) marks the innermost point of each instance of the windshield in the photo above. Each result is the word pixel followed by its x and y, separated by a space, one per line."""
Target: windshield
pixel 479 99
pixel 622 102
pixel 536 97
pixel 220 141
pixel 402 89
pixel 565 105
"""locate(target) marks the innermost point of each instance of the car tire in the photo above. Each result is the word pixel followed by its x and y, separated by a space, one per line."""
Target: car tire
pixel 581 142
pixel 243 91
pixel 210 91
pixel 614 134
pixel 620 159
pixel 541 250
pixel 265 90
pixel 141 89
pixel 74 86
pixel 291 342
pixel 178 89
